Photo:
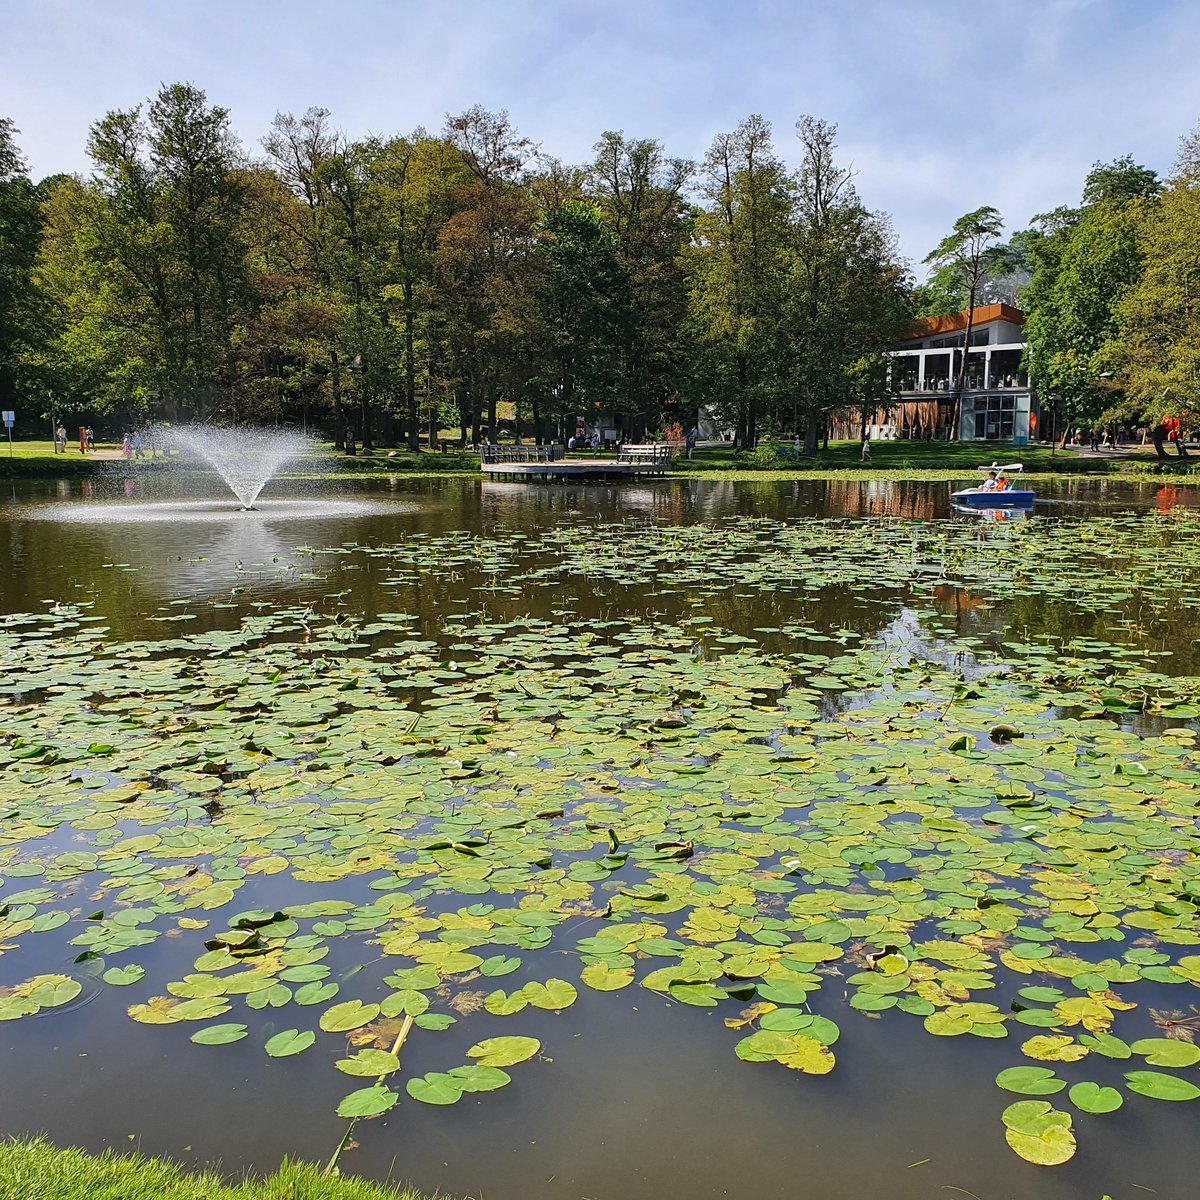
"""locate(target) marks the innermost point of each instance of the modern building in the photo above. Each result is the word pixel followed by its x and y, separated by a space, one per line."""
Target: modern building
pixel 996 402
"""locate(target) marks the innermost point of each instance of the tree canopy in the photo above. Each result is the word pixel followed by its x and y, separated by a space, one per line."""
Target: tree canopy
pixel 394 286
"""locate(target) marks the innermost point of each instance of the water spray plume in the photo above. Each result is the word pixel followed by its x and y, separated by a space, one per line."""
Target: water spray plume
pixel 245 458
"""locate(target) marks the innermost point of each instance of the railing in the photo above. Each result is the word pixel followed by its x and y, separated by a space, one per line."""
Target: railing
pixel 520 454
pixel 971 383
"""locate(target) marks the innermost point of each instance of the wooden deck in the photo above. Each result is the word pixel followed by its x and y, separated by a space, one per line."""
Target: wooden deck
pixel 632 462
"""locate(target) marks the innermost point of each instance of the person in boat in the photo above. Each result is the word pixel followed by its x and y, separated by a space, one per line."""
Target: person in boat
pixel 1003 484
pixel 990 484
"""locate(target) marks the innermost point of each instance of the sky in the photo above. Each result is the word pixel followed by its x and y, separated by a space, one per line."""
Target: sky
pixel 941 107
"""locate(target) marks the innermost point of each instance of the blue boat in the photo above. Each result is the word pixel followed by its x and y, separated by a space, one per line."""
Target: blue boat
pixel 988 495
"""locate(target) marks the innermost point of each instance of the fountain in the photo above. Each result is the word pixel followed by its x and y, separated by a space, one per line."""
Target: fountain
pixel 245 458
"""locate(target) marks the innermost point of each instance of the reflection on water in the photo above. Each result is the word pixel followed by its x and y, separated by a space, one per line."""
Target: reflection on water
pixel 198 512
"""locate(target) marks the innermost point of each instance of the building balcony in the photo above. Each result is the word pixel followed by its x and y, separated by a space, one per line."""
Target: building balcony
pixel 1017 381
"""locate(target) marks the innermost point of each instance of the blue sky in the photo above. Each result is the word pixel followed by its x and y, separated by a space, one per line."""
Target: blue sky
pixel 942 107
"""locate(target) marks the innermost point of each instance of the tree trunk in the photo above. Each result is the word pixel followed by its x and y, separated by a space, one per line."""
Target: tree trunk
pixel 535 412
pixel 747 416
pixel 410 371
pixel 961 378
pixel 339 420
pixel 812 433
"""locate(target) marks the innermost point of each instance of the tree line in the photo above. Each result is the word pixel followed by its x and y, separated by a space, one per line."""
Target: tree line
pixel 389 288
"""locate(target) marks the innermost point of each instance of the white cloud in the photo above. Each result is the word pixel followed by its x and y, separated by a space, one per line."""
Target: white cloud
pixel 940 110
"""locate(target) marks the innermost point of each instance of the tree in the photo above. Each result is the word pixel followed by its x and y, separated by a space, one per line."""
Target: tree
pixel 417 178
pixel 968 253
pixel 639 191
pixel 486 269
pixel 846 296
pixel 148 259
pixel 1154 347
pixel 583 297
pixel 736 265
pixel 1083 261
pixel 20 229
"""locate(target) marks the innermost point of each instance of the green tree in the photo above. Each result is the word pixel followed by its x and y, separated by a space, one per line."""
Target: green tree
pixel 20 230
pixel 417 178
pixel 736 270
pixel 968 253
pixel 639 190
pixel 487 269
pixel 846 297
pixel 1154 349
pixel 1084 260
pixel 147 261
pixel 583 299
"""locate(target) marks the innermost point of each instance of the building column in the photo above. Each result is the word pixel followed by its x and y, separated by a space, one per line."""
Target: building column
pixel 921 371
pixel 987 370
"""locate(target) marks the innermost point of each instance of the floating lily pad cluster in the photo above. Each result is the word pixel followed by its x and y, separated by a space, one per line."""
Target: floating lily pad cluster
pixel 993 837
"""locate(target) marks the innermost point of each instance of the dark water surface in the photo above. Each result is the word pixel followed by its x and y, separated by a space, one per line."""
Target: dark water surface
pixel 645 1097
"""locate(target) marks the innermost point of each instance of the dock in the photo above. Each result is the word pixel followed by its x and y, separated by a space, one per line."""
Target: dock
pixel 547 463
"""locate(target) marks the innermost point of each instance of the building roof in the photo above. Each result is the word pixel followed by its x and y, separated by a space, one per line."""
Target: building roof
pixel 953 322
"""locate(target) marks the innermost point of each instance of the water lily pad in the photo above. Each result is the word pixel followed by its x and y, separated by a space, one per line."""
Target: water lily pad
pixel 554 994
pixel 435 1088
pixel 1030 1081
pixel 367 1102
pixel 1039 1133
pixel 353 1014
pixel 289 1042
pixel 1166 1052
pixel 504 1051
pixel 1092 1098
pixel 1160 1086
pixel 369 1063
pixel 219 1035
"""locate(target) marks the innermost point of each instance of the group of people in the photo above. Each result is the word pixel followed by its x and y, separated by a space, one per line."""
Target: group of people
pixel 132 445
pixel 996 482
pixel 581 441
pixel 86 440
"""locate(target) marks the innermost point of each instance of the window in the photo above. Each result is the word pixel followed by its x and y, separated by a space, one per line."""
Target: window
pixel 995 417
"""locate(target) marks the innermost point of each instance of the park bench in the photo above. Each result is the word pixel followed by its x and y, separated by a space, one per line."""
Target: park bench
pixel 653 454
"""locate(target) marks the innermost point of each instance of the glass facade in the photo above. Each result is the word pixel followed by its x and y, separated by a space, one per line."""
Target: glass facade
pixel 1002 418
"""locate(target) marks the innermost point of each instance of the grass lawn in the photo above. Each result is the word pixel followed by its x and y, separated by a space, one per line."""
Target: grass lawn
pixel 35 1170
pixel 940 457
pixel 898 460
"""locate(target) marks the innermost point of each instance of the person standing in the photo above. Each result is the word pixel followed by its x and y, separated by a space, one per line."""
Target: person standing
pixel 60 439
pixel 89 442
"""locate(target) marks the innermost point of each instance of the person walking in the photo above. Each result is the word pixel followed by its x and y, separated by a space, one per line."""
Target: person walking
pixel 126 447
pixel 60 439
pixel 136 443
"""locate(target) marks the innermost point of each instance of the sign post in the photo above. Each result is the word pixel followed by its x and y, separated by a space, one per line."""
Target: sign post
pixel 9 418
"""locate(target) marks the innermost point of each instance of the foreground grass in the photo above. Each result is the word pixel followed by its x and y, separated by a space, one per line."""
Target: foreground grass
pixel 35 1170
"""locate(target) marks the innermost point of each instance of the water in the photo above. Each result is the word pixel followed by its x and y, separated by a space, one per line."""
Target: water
pixel 245 458
pixel 644 1096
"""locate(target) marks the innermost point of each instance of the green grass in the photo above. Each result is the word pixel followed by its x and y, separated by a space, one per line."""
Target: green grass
pixel 35 1170
pixel 940 457
pixel 932 461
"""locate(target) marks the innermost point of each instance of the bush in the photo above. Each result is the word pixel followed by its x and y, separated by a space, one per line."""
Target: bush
pixel 767 455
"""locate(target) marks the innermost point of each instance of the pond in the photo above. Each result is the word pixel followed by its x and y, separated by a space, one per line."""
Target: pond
pixel 689 839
